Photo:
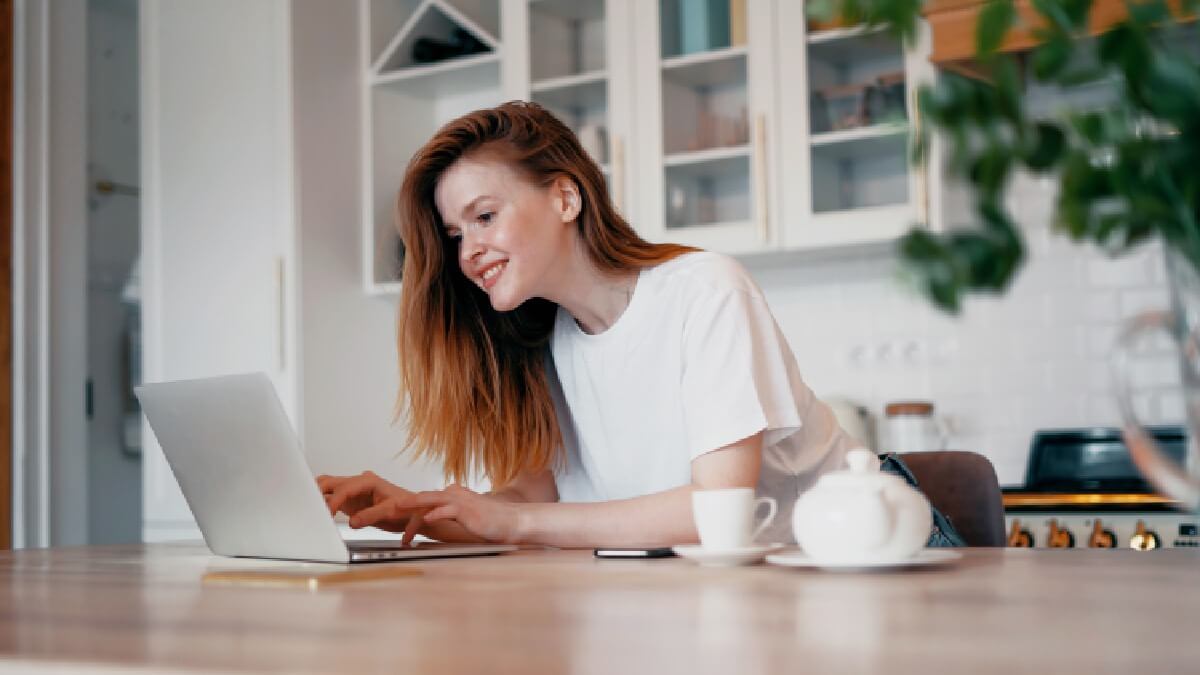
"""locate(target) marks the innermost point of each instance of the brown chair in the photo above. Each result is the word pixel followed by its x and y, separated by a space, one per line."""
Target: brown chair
pixel 963 486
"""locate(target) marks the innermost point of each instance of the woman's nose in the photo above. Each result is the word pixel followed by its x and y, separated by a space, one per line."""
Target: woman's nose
pixel 470 248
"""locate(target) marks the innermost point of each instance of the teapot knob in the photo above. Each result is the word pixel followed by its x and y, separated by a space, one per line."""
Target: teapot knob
pixel 862 461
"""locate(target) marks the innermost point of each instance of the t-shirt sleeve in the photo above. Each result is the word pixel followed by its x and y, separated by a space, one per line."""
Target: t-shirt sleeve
pixel 739 375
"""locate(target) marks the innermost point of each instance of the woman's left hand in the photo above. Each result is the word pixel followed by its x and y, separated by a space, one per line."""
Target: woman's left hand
pixel 485 516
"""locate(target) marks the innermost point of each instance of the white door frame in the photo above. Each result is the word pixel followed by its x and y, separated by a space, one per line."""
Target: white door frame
pixel 49 273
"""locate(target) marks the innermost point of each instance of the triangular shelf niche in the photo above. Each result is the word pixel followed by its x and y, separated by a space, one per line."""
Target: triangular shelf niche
pixel 436 20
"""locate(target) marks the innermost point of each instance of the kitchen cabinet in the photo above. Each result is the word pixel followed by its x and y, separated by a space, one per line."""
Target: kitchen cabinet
pixel 218 244
pixel 424 63
pixel 572 57
pixel 953 27
pixel 723 124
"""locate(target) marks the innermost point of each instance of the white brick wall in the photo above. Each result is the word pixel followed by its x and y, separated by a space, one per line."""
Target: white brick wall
pixel 1038 357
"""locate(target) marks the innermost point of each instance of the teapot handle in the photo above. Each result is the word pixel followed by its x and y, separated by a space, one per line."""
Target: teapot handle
pixel 1168 477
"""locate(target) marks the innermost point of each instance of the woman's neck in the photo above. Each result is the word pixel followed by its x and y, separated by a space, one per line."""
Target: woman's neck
pixel 596 299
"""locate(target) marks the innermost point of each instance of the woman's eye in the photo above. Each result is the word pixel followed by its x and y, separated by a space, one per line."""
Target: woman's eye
pixel 486 217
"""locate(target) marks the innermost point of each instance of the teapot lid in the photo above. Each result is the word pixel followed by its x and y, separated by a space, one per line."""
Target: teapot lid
pixel 863 473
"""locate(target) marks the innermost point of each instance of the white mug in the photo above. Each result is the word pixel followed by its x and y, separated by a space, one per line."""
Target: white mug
pixel 725 518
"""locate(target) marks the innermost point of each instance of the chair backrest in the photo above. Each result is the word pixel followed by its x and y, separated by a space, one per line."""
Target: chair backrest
pixel 963 486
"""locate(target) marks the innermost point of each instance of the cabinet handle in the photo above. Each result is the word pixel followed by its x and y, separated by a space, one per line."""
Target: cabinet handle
pixel 618 173
pixel 281 299
pixel 760 185
pixel 922 185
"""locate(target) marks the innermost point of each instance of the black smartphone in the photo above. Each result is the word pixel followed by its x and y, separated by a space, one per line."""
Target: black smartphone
pixel 664 552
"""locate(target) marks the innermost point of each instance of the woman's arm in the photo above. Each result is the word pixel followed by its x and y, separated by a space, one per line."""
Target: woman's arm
pixel 655 519
pixel 530 487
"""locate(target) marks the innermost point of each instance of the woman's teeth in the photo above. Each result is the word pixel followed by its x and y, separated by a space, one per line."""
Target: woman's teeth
pixel 493 271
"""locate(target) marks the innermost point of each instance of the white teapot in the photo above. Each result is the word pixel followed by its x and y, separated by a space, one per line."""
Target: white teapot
pixel 861 515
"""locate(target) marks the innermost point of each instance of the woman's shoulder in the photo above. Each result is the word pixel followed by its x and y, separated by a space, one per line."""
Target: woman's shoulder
pixel 706 272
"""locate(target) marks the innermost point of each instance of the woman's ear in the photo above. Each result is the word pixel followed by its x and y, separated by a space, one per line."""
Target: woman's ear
pixel 567 196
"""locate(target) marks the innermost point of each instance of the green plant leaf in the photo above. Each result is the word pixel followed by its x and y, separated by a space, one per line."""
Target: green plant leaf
pixel 1046 148
pixel 1056 16
pixel 1089 125
pixel 995 19
pixel 1052 57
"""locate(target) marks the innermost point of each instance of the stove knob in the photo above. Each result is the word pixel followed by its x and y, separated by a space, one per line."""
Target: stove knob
pixel 1143 539
pixel 1019 537
pixel 1101 538
pixel 1059 537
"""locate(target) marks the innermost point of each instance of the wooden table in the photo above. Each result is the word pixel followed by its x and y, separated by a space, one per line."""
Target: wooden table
pixel 544 611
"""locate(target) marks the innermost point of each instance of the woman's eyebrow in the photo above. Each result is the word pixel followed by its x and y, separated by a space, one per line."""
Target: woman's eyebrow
pixel 467 209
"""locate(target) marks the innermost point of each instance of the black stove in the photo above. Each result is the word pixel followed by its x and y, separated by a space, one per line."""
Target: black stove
pixel 1082 489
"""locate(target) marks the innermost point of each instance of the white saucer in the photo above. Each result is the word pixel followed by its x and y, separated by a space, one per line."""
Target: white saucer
pixel 927 556
pixel 731 557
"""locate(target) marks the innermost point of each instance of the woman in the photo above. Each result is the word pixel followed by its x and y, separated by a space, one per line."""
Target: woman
pixel 594 378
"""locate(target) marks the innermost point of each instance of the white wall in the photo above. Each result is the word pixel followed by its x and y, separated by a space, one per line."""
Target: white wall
pixel 349 356
pixel 1036 357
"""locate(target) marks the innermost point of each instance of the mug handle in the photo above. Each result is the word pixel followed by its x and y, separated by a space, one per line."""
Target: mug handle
pixel 1167 476
pixel 766 521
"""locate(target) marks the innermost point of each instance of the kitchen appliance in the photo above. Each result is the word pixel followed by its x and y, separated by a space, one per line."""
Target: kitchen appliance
pixel 911 426
pixel 1082 490
pixel 855 419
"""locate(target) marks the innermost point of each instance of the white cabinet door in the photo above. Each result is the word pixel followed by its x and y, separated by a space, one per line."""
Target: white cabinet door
pixel 575 58
pixel 705 74
pixel 217 208
pixel 847 95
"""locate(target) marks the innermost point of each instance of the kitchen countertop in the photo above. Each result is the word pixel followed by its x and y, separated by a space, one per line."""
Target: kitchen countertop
pixel 547 611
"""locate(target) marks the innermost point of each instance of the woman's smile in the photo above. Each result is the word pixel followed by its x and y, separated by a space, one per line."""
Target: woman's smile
pixel 490 275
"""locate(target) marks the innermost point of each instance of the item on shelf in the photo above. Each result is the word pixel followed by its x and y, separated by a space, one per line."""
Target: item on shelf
pixel 703 25
pixel 818 113
pixel 432 50
pixel 889 102
pixel 847 106
pixel 594 139
pixel 737 22
pixel 719 131
pixel 817 25
pixel 677 205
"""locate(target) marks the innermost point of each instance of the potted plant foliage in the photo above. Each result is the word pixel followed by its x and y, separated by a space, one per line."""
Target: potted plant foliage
pixel 1127 170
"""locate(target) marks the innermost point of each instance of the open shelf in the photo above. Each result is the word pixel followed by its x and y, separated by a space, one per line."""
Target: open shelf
pixel 406 100
pixel 715 189
pixel 438 26
pixel 447 78
pixel 836 34
pixel 585 90
pixel 703 157
pixel 567 38
pixel 707 69
pixel 859 134
pixel 870 171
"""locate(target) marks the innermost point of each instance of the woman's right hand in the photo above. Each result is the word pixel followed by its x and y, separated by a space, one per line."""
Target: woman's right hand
pixel 354 494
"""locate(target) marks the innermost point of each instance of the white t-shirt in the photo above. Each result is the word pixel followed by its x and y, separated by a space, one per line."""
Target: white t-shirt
pixel 696 362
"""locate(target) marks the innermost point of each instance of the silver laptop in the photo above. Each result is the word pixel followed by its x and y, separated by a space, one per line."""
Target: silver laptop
pixel 243 473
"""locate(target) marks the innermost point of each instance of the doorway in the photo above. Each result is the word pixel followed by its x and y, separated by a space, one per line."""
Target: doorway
pixel 114 462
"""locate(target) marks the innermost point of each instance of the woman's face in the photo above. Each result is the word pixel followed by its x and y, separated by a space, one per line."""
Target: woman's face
pixel 510 233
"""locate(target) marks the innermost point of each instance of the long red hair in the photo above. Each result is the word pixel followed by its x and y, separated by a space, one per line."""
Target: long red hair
pixel 473 380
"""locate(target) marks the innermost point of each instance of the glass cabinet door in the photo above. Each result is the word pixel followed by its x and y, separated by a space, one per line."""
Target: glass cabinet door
pixel 568 65
pixel 847 149
pixel 703 100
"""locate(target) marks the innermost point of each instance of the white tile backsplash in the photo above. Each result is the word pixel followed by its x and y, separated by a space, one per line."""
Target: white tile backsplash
pixel 1036 357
